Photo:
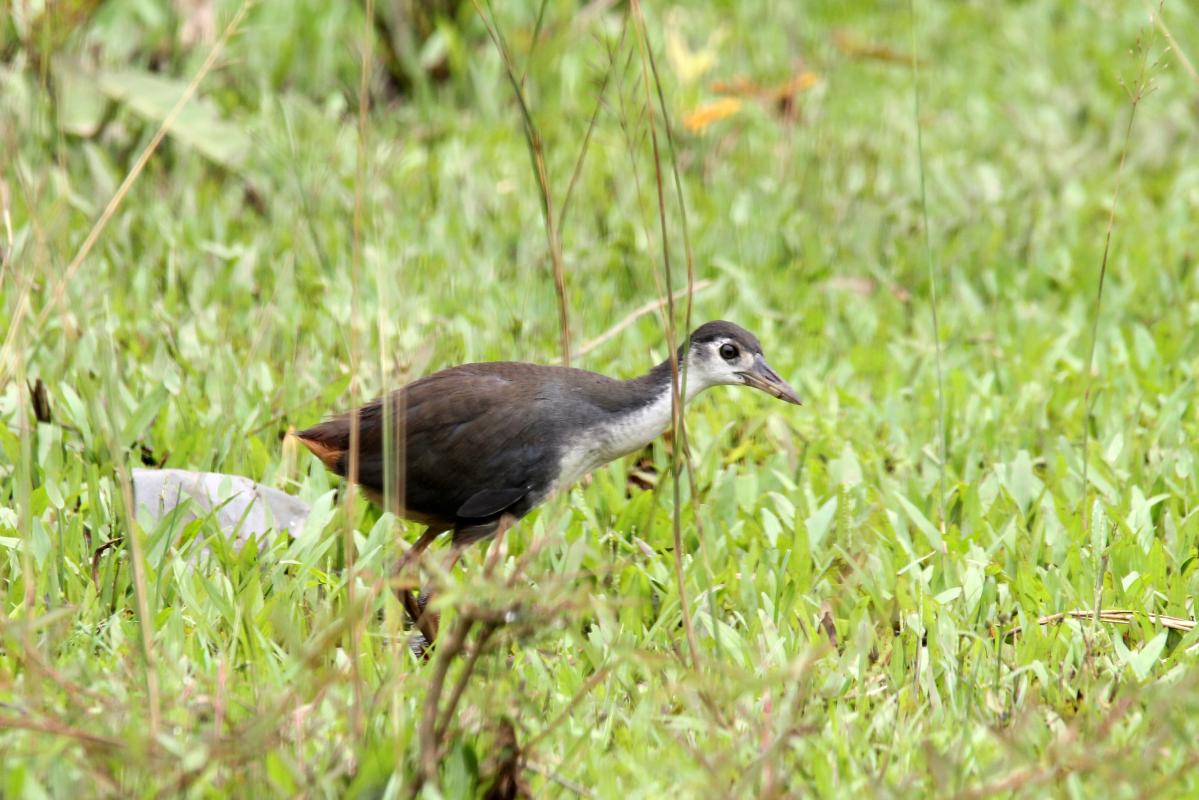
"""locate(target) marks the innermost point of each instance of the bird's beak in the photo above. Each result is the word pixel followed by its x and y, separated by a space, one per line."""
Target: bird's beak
pixel 761 376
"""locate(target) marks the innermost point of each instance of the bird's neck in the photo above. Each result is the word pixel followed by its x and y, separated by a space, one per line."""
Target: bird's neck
pixel 638 424
pixel 658 382
pixel 635 414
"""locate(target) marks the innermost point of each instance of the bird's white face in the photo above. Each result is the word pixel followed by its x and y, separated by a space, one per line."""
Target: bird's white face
pixel 727 361
pixel 718 362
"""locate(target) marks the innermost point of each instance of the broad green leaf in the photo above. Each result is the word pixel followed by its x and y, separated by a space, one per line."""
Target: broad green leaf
pixel 972 587
pixel 76 410
pixel 1140 516
pixel 988 490
pixel 819 523
pixel 199 124
pixel 1144 660
pixel 143 415
pixel 1114 448
pixel 1020 482
pixel 80 107
pixel 920 521
pixel 845 469
pixel 949 595
pixel 771 527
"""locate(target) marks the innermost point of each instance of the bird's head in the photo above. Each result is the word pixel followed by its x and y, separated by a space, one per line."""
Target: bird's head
pixel 722 353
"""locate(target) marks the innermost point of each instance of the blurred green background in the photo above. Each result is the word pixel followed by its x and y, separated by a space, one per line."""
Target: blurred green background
pixel 857 559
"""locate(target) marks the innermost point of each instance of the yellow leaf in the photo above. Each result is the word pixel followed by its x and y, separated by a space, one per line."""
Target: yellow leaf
pixel 689 64
pixel 708 113
pixel 802 81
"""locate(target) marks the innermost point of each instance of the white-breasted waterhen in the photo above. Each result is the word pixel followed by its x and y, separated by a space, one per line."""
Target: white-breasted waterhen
pixel 483 444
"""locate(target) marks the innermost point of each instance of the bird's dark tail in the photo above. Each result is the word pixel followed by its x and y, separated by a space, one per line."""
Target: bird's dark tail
pixel 329 442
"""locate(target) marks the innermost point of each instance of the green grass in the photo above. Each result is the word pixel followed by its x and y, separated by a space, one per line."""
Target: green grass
pixel 215 312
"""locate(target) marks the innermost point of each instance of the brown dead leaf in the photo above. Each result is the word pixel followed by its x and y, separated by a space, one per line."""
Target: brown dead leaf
pixel 1116 616
pixel 643 475
pixel 745 87
pixel 856 47
pixel 855 284
pixel 40 399
pixel 198 22
pixel 507 783
pixel 826 622
pixel 801 82
pixel 864 287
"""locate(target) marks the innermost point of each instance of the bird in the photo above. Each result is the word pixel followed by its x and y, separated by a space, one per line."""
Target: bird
pixel 473 448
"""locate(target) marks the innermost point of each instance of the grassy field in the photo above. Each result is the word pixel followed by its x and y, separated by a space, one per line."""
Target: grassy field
pixel 909 204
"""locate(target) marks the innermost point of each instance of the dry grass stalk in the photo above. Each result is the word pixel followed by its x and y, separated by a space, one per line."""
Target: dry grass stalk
pixel 537 154
pixel 648 74
pixel 638 313
pixel 1112 616
pixel 60 288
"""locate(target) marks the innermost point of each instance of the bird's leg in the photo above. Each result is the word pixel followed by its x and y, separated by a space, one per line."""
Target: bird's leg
pixel 422 544
pixel 456 551
pixel 410 603
pixel 493 554
pixel 428 620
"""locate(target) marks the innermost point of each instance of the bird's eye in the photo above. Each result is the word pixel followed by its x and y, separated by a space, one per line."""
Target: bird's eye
pixel 728 352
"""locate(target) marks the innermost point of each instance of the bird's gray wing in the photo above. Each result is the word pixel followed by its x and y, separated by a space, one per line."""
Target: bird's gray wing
pixel 475 442
pixel 490 502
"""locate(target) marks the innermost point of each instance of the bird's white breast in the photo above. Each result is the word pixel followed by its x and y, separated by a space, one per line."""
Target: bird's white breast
pixel 612 437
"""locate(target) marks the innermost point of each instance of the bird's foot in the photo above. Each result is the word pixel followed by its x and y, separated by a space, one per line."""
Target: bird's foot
pixel 425 621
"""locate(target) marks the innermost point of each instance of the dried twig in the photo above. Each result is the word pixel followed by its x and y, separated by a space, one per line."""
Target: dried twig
pixel 537 155
pixel 6 218
pixel 430 742
pixel 583 691
pixel 354 632
pixel 581 791
pixel 1110 615
pixel 1139 90
pixel 430 734
pixel 1061 762
pixel 60 288
pixel 677 380
pixel 58 729
pixel 1160 20
pixel 638 313
pixel 468 669
pixel 141 591
pixel 599 104
pixel 932 274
